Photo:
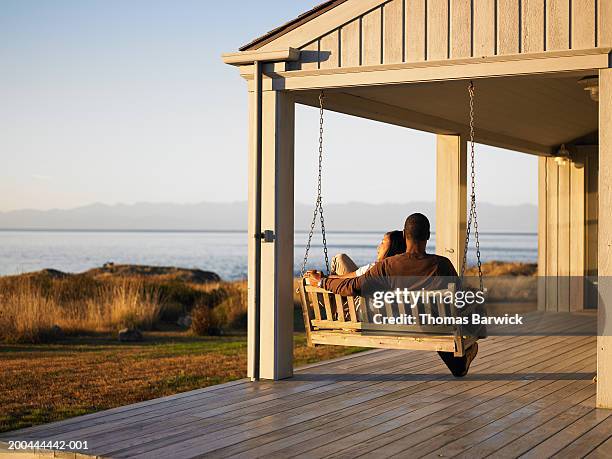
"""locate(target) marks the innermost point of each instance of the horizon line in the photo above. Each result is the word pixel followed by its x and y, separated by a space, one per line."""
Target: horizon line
pixel 243 231
pixel 117 204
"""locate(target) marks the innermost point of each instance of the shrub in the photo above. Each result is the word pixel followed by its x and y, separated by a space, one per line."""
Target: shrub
pixel 221 308
pixel 232 312
pixel 204 321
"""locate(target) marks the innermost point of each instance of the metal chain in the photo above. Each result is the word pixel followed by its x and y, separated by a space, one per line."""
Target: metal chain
pixel 473 215
pixel 319 202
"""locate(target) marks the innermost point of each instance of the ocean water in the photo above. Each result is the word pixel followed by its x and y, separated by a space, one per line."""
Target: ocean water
pixel 222 252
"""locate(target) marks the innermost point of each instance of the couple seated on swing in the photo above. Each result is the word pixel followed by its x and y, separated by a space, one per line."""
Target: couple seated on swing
pixel 401 258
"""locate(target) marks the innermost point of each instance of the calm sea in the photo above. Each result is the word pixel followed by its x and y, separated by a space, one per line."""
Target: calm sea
pixel 221 252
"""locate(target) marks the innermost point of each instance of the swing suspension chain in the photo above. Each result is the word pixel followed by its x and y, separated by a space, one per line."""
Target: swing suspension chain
pixel 473 216
pixel 319 202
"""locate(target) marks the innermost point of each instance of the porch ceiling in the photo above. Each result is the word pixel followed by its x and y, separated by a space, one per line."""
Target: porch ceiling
pixel 534 114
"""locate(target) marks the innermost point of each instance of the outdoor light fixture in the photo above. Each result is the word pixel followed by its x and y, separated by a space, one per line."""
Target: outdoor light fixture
pixel 563 156
pixel 591 84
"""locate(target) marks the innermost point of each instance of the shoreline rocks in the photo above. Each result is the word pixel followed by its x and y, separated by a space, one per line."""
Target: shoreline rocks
pixel 108 270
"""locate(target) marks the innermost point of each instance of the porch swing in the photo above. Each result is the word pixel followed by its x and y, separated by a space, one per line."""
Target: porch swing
pixel 347 321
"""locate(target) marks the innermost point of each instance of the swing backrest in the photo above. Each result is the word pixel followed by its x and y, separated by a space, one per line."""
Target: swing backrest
pixel 324 310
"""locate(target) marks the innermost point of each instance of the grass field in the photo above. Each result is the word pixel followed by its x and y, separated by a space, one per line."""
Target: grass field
pixel 48 382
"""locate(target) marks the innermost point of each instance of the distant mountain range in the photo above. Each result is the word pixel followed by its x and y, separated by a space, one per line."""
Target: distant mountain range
pixel 354 216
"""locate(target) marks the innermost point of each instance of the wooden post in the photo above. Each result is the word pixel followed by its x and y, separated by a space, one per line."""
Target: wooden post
pixel 604 338
pixel 275 328
pixel 563 258
pixel 542 231
pixel 577 256
pixel 254 225
pixel 451 197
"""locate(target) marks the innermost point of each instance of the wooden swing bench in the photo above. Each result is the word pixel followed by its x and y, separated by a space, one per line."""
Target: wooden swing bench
pixel 337 320
pixel 345 321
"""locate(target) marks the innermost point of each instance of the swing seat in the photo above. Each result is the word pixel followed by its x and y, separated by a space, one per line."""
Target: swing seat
pixel 348 321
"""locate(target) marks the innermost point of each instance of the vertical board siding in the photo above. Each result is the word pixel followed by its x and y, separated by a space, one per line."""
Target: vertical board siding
pixel 532 21
pixel 508 27
pixel 583 24
pixel 484 28
pixel 329 51
pixel 437 29
pixel 372 38
pixel 604 25
pixel 350 44
pixel 415 30
pixel 461 28
pixel 557 25
pixel 393 26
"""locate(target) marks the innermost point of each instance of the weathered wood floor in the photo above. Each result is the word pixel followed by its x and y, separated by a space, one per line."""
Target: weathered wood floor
pixel 530 396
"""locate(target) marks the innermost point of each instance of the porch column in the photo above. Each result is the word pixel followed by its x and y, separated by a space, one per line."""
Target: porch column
pixel 566 230
pixel 604 338
pixel 275 317
pixel 451 197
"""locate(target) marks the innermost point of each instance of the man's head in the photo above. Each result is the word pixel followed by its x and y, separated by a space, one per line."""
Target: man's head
pixel 416 228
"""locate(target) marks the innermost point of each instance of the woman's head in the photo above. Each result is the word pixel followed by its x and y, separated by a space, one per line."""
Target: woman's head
pixel 393 243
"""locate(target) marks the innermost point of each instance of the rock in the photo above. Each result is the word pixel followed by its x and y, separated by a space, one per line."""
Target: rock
pixel 130 335
pixel 166 273
pixel 57 332
pixel 185 321
pixel 52 273
pixel 215 331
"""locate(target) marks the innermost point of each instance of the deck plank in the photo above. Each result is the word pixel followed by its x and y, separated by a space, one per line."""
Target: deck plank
pixel 387 407
pixel 258 427
pixel 424 366
pixel 599 437
pixel 394 435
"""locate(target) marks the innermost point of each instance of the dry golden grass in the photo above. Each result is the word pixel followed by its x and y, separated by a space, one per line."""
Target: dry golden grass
pixel 29 311
pixel 503 268
pixel 507 282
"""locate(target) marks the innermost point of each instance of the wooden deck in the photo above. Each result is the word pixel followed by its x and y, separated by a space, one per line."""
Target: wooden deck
pixel 530 396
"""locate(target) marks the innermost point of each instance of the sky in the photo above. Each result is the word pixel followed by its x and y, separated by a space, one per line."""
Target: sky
pixel 125 101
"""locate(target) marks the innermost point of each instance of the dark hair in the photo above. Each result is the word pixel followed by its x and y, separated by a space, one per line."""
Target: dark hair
pixel 417 228
pixel 397 243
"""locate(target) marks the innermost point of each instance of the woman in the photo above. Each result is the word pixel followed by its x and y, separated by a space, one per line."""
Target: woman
pixel 393 243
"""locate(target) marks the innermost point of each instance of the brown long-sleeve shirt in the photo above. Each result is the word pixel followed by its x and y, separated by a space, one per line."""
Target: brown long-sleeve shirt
pixel 407 270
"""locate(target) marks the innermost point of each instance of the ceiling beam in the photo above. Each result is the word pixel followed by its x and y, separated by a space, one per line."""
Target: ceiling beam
pixel 370 109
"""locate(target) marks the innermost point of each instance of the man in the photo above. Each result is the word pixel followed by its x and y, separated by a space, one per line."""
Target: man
pixel 415 269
